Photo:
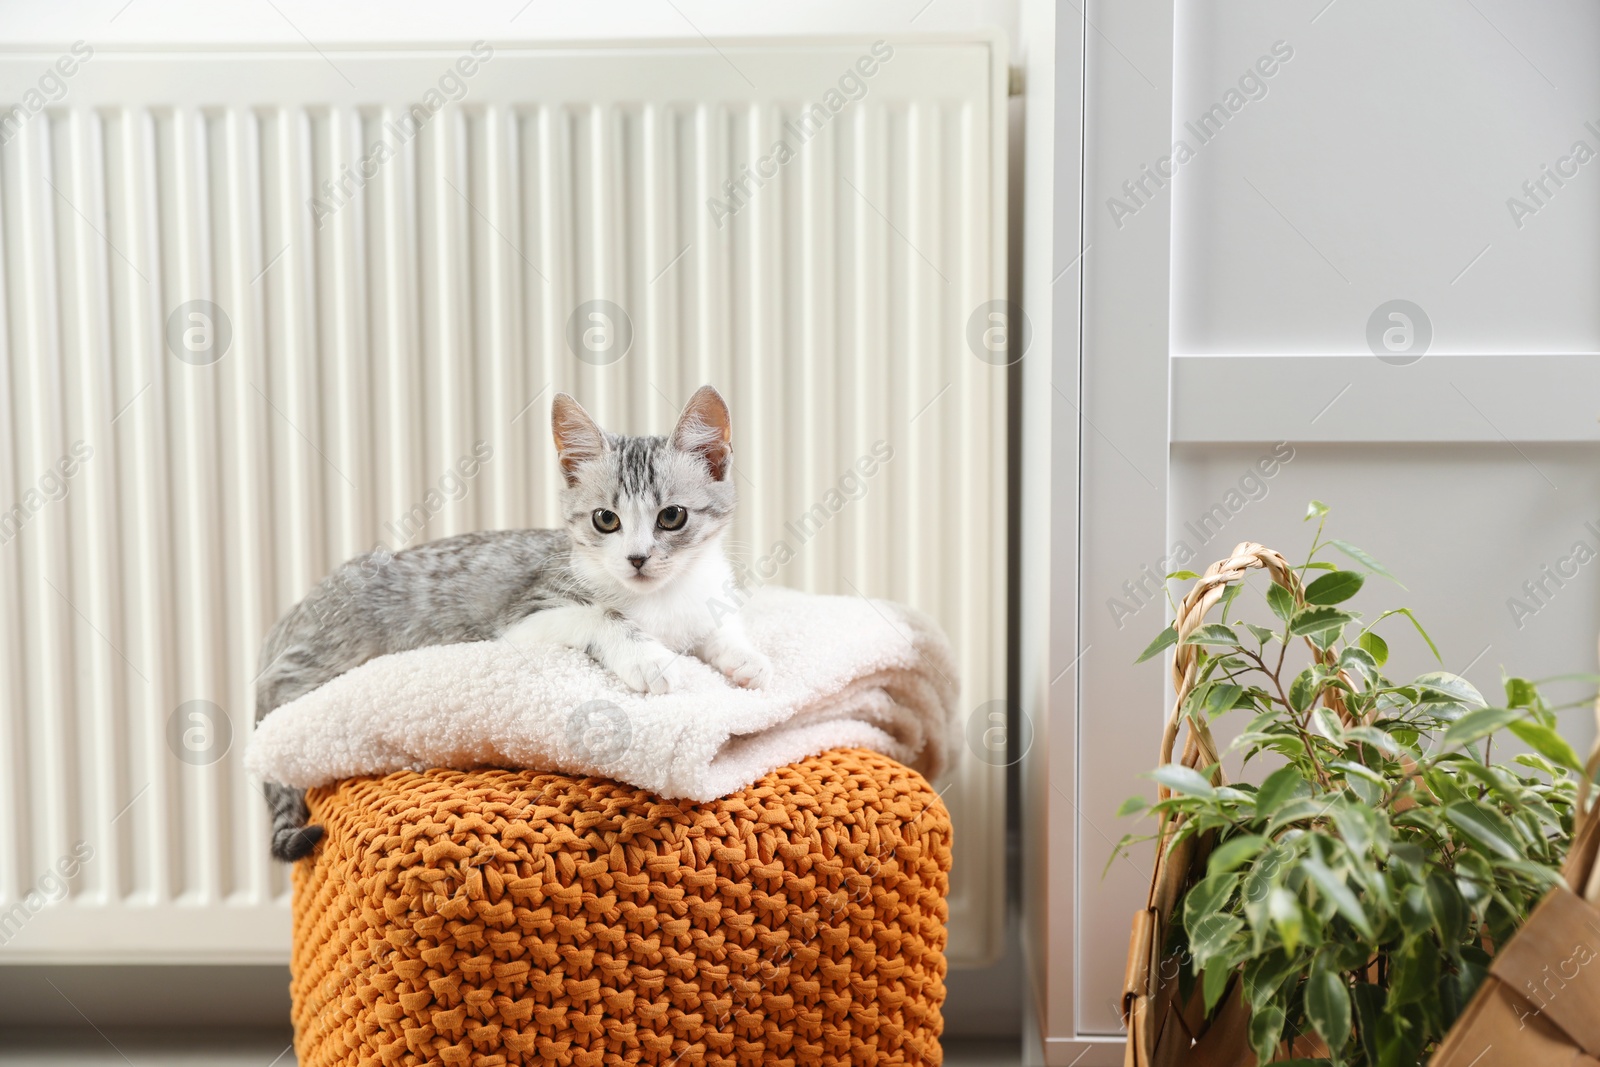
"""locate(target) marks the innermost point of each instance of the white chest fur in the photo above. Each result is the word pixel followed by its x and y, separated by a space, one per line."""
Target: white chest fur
pixel 680 616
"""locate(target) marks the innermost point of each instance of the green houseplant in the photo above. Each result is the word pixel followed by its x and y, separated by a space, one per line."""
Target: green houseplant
pixel 1348 904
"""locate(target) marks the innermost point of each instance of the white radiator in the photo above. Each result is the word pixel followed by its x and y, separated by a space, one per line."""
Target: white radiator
pixel 242 343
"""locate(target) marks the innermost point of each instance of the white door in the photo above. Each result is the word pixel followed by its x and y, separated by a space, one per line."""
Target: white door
pixel 1343 250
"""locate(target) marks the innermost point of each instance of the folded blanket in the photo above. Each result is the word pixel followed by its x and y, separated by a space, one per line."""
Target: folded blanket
pixel 847 671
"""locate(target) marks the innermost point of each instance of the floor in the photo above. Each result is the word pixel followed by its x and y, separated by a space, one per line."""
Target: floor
pixel 270 1048
pixel 86 1016
pixel 145 1048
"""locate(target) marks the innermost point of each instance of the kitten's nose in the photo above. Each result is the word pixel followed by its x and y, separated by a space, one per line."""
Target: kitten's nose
pixel 638 562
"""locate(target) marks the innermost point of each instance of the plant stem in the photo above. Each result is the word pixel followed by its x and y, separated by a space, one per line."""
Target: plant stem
pixel 1299 725
pixel 1316 540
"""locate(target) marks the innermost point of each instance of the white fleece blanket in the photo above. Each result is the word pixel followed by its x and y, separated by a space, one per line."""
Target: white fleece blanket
pixel 847 671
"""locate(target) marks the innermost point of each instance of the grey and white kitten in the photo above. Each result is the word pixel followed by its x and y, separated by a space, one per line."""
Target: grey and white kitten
pixel 629 579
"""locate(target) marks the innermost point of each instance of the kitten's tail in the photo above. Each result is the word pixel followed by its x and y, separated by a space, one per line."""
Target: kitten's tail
pixel 292 839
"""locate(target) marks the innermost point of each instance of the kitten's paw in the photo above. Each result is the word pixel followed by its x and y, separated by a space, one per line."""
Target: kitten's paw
pixel 743 665
pixel 649 667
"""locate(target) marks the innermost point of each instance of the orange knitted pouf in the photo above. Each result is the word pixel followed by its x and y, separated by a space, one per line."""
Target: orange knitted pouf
pixel 507 917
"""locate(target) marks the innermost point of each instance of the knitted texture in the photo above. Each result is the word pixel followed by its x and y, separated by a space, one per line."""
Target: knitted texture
pixel 509 917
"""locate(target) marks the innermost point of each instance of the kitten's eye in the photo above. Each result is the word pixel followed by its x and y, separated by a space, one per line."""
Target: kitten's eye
pixel 672 518
pixel 606 521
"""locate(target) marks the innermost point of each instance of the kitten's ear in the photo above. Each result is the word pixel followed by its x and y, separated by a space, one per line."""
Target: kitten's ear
pixel 705 429
pixel 578 438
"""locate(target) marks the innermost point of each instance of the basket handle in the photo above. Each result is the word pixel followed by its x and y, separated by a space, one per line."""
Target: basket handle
pixel 1199 747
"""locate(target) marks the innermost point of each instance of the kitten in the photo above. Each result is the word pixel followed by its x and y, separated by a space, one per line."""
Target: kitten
pixel 629 580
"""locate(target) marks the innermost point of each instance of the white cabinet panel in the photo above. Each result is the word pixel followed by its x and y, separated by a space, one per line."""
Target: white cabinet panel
pixel 1376 163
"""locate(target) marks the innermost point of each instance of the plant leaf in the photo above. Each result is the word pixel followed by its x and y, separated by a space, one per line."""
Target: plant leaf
pixel 1261 633
pixel 1416 914
pixel 1449 912
pixel 1377 646
pixel 1520 693
pixel 1132 806
pixel 1235 851
pixel 1279 787
pixel 1181 779
pixel 1266 1029
pixel 1479 723
pixel 1295 810
pixel 1315 620
pixel 1213 633
pixel 1334 588
pixel 1265 974
pixel 1206 899
pixel 1361 557
pixel 1210 936
pixel 1359 662
pixel 1592 679
pixel 1303 690
pixel 1230 593
pixel 1537 873
pixel 1368 1004
pixel 1280 600
pixel 1283 908
pixel 1474 877
pixel 1407 613
pixel 1344 901
pixel 1315 510
pixel 1328 722
pixel 1453 687
pixel 1183 576
pixel 1378 739
pixel 1324 639
pixel 1485 826
pixel 1164 640
pixel 1328 1005
pixel 1443 785
pixel 1222 698
pixel 1549 744
pixel 1356 825
pixel 1215 983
